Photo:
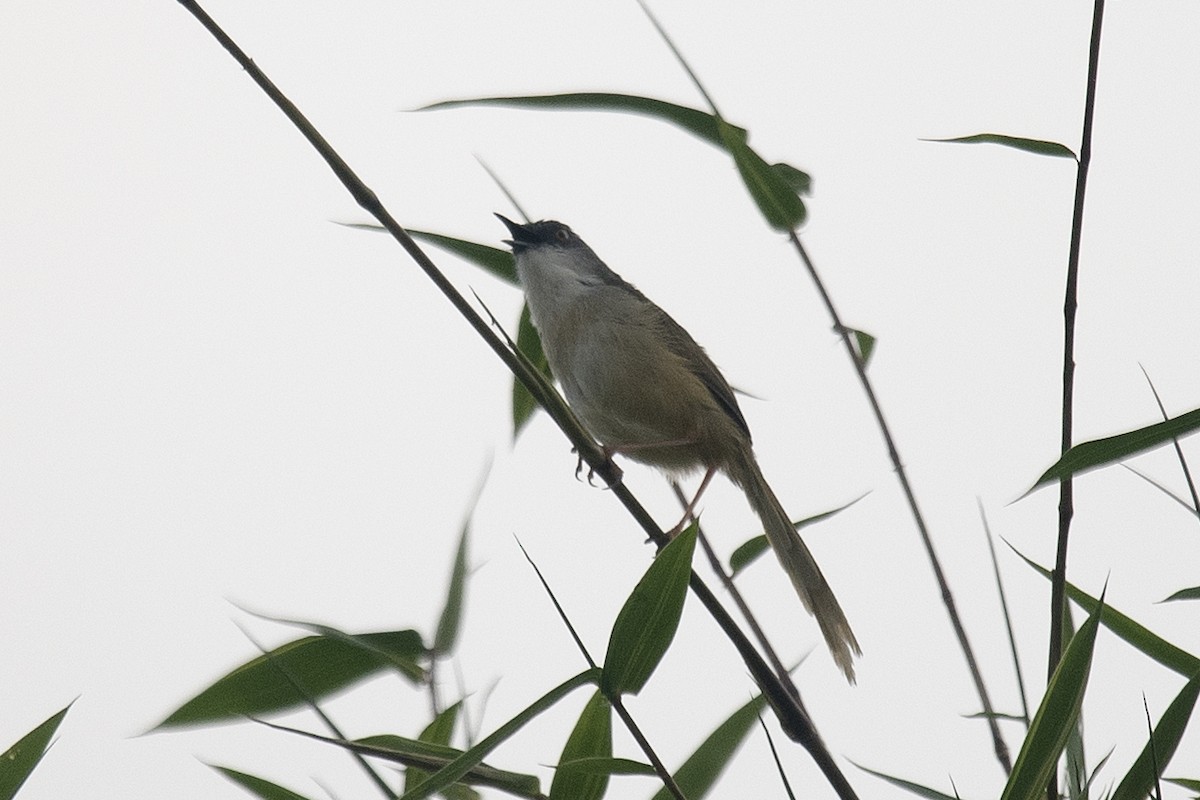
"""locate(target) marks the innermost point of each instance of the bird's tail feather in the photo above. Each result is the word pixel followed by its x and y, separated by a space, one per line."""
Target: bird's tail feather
pixel 797 562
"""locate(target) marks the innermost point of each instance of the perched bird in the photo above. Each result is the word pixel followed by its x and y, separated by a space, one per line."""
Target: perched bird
pixel 642 386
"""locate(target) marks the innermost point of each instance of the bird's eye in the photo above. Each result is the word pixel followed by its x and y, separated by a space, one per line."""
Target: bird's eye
pixel 562 235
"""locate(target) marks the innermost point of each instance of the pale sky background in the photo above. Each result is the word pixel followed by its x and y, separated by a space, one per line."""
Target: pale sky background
pixel 213 394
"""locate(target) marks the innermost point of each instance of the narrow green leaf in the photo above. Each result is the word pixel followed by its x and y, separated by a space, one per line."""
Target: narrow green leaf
pixel 1036 146
pixel 799 181
pixel 776 200
pixel 749 551
pixel 596 766
pixel 1126 629
pixel 1100 452
pixel 18 761
pixel 1157 753
pixel 437 732
pixel 864 344
pixel 423 758
pixel 321 665
pixel 429 757
pixel 774 187
pixel 529 343
pixel 450 619
pixel 591 739
pixel 647 622
pixel 918 789
pixel 701 124
pixel 1055 717
pixel 259 787
pixel 499 262
pixel 1192 593
pixel 460 766
pixel 700 771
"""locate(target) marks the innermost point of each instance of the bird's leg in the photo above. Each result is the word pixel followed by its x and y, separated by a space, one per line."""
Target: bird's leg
pixel 689 510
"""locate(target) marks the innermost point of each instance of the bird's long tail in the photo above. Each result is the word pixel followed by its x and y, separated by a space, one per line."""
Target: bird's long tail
pixel 797 562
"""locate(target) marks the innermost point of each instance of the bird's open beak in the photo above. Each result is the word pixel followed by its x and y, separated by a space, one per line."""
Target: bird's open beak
pixel 522 235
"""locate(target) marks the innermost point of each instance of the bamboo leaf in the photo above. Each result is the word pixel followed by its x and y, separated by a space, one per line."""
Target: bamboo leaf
pixel 259 787
pixel 18 761
pixel 460 766
pixel 590 741
pixel 1037 146
pixel 1101 452
pixel 699 773
pixel 1157 753
pixel 320 665
pixel 437 732
pixel 450 620
pixel 647 622
pixel 918 789
pixel 776 200
pixel 701 124
pixel 1055 718
pixel 1126 629
pixel 1192 593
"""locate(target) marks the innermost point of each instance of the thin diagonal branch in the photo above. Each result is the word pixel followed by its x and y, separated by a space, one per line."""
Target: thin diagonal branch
pixel 1001 749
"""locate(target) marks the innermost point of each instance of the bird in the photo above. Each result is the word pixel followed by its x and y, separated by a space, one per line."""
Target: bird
pixel 643 387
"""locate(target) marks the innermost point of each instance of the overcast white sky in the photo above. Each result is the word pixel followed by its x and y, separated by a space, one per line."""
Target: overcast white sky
pixel 212 393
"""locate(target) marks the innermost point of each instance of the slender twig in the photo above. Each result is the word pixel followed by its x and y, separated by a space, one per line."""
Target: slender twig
pixel 1066 497
pixel 1001 749
pixel 793 720
pixel 1008 626
pixel 787 785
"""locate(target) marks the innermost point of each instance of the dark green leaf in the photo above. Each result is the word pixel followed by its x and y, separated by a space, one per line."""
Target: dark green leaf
pixel 18 761
pixel 799 181
pixel 437 732
pixel 1037 146
pixel 750 550
pixel 747 553
pixel 258 787
pixel 529 343
pixel 864 344
pixel 1100 452
pixel 495 260
pixel 909 786
pixel 776 200
pixel 773 187
pixel 1055 717
pixel 647 622
pixel 320 665
pixel 596 766
pixel 451 616
pixel 591 739
pixel 1131 632
pixel 699 123
pixel 1157 753
pixel 700 772
pixel 1185 594
pixel 460 766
